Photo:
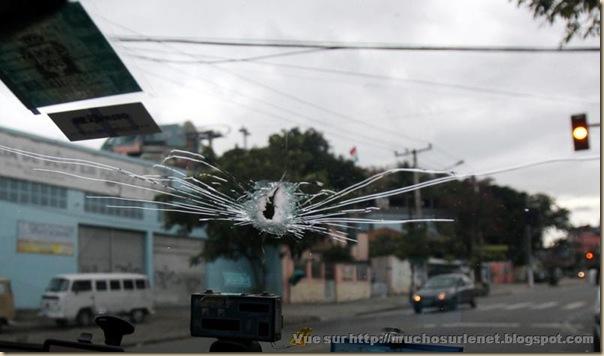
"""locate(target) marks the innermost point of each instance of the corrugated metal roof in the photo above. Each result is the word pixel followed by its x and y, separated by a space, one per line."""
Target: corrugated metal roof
pixel 77 147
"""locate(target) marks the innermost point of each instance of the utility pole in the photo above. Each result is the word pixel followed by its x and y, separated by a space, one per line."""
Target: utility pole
pixel 245 134
pixel 529 218
pixel 209 135
pixel 417 192
pixel 477 238
pixel 529 256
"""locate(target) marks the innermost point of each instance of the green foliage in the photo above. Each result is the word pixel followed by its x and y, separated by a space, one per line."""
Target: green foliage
pixel 581 17
pixel 488 214
pixel 384 244
pixel 414 244
pixel 293 156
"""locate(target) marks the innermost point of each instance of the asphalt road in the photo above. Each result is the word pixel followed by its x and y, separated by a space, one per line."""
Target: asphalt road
pixel 544 311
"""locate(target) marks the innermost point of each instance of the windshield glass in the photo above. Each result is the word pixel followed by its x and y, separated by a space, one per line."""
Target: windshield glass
pixel 58 285
pixel 318 162
pixel 443 282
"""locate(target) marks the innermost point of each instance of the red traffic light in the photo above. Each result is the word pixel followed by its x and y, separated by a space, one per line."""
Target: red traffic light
pixel 580 132
pixel 589 255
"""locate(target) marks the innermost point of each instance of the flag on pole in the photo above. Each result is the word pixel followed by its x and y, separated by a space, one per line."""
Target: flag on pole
pixel 354 154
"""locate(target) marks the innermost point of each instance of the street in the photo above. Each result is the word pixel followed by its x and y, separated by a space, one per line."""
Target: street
pixel 544 310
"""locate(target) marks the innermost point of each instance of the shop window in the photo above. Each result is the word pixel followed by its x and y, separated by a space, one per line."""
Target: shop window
pixel 25 192
pixel 101 206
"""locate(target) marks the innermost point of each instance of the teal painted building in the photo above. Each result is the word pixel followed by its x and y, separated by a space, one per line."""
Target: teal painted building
pixel 48 226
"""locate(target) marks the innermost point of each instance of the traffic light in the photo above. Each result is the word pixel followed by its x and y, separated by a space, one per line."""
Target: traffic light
pixel 589 255
pixel 580 132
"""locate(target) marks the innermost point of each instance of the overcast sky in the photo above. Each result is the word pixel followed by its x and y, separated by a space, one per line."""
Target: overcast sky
pixel 492 110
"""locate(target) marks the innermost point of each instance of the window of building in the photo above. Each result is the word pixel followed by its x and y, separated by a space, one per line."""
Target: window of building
pixel 81 286
pixel 25 192
pixel 115 285
pixel 101 285
pixel 128 284
pixel 140 284
pixel 101 206
pixel 362 272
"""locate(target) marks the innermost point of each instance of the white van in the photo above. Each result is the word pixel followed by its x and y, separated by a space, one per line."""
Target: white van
pixel 81 296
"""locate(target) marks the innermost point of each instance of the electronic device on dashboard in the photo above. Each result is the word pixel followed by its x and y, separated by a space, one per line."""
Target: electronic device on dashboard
pixel 254 317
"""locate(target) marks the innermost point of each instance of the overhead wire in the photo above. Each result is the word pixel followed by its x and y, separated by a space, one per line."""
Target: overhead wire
pixel 334 45
pixel 255 59
pixel 356 134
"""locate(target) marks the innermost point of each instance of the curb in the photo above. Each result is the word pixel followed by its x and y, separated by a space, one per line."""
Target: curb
pixel 396 307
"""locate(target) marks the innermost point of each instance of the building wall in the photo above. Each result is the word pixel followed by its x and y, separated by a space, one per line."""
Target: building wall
pixel 360 250
pixel 392 273
pixel 308 290
pixel 588 241
pixel 31 272
pixel 348 291
pixel 348 285
pixel 501 272
pixel 400 276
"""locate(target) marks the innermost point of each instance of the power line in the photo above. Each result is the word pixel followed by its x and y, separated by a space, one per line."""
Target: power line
pixel 465 87
pixel 253 82
pixel 346 45
pixel 472 88
pixel 298 100
pixel 224 59
pixel 291 97
pixel 355 138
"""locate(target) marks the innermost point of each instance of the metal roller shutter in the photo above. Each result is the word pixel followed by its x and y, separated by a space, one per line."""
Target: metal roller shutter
pixel 110 250
pixel 175 278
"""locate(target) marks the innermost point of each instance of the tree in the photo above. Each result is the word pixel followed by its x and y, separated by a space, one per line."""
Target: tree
pixel 582 17
pixel 489 214
pixel 384 242
pixel 336 254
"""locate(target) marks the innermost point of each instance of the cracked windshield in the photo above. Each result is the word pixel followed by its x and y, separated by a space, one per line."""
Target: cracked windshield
pixel 300 176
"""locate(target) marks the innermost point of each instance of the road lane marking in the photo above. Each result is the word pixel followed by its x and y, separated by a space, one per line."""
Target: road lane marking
pixel 491 306
pixel 572 328
pixel 544 305
pixel 517 306
pixel 480 325
pixel 574 305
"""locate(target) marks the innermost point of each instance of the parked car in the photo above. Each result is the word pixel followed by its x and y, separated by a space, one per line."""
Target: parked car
pixel 7 304
pixel 445 291
pixel 79 297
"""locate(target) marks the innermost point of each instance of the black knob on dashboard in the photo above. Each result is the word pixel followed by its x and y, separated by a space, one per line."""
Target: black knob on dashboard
pixel 114 328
